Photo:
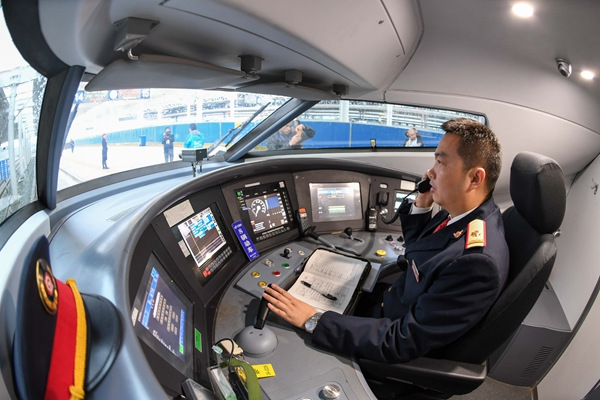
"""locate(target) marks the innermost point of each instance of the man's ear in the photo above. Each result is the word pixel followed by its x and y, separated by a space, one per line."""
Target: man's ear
pixel 477 176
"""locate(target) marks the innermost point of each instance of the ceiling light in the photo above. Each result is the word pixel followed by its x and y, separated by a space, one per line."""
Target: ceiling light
pixel 523 10
pixel 586 74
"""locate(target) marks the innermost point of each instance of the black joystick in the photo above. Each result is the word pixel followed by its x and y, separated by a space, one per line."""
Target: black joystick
pixel 402 263
pixel 348 232
pixel 286 253
pixel 262 313
pixel 258 340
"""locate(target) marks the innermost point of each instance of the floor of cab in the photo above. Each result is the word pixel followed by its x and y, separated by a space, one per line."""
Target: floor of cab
pixel 492 389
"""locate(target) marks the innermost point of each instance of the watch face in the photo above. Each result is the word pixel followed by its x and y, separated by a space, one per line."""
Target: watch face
pixel 311 324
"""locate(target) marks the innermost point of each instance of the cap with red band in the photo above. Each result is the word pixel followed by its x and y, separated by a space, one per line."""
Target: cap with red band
pixel 58 331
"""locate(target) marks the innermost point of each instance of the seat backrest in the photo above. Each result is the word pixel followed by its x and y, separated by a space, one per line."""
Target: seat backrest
pixel 537 188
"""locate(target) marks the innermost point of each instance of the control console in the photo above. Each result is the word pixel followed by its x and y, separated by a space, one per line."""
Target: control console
pixel 278 266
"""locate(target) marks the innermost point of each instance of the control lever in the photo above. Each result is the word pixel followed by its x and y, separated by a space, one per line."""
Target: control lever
pixel 258 340
pixel 262 313
pixel 348 232
pixel 310 232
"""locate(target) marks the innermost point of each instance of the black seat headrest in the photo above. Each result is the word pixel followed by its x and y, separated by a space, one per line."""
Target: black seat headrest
pixel 537 188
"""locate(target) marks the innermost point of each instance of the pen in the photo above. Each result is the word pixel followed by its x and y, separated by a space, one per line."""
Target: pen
pixel 327 295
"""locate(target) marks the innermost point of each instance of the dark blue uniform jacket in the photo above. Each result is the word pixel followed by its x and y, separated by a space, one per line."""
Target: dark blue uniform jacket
pixel 455 288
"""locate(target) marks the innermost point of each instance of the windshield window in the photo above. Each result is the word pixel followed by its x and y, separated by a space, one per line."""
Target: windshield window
pixel 21 94
pixel 119 130
pixel 361 124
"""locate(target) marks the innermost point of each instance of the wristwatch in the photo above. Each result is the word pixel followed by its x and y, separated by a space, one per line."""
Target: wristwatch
pixel 311 324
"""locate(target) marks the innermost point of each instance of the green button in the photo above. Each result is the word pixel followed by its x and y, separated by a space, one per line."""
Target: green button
pixel 285 265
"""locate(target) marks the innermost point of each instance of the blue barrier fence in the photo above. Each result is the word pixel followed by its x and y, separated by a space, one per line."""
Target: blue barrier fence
pixel 328 134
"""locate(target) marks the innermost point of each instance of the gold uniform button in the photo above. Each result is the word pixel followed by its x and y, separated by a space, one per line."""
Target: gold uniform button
pixel 381 305
pixel 389 289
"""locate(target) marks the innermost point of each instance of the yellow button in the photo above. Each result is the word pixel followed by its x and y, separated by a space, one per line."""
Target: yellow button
pixel 262 283
pixel 381 252
pixel 255 274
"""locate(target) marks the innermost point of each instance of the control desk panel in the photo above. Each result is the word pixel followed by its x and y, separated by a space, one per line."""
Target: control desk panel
pixel 211 251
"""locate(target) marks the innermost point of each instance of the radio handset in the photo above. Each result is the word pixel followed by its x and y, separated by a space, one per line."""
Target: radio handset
pixel 424 185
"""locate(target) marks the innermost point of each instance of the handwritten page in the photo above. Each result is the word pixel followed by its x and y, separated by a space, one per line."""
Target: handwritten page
pixel 333 274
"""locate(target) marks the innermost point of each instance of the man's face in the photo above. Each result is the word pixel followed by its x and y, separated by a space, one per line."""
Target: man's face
pixel 412 134
pixel 449 180
pixel 286 129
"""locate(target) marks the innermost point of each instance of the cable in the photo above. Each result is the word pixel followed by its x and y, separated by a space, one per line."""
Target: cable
pixel 397 211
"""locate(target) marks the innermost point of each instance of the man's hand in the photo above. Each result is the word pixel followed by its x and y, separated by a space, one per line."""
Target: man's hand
pixel 286 306
pixel 424 200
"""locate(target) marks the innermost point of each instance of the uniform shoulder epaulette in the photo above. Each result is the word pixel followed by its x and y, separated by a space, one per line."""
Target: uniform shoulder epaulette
pixel 476 234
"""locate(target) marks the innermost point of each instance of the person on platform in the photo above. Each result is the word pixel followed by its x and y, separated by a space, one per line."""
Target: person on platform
pixel 413 138
pixel 167 142
pixel 195 139
pixel 458 262
pixel 290 136
pixel 104 151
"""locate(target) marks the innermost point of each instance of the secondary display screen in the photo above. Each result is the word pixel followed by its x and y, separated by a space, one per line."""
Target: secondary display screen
pixel 335 201
pixel 161 316
pixel 265 209
pixel 201 238
pixel 400 195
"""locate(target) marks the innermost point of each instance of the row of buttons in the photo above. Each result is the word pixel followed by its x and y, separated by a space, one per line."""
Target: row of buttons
pixel 216 263
pixel 274 232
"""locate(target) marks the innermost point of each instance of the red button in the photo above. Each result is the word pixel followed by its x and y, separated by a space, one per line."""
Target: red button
pixel 276 273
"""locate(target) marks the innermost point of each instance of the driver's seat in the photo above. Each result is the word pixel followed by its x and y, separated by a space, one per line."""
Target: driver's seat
pixel 537 188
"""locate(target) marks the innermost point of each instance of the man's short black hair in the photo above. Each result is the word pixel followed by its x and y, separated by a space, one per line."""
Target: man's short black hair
pixel 478 147
pixel 193 126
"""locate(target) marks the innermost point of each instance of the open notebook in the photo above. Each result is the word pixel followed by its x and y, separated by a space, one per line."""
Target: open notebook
pixel 330 281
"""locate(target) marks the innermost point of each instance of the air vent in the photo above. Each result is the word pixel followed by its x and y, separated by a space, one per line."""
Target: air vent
pixel 123 213
pixel 536 363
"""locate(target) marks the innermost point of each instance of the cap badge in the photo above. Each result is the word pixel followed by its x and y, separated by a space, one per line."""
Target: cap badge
pixel 46 285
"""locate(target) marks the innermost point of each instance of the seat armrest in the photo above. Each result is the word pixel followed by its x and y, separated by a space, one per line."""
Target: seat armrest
pixel 441 375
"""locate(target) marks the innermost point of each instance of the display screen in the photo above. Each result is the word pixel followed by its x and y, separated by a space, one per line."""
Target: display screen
pixel 265 209
pixel 335 201
pixel 161 315
pixel 400 195
pixel 201 238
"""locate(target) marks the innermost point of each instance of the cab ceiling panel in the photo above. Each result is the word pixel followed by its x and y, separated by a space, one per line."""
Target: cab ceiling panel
pixel 515 62
pixel 363 44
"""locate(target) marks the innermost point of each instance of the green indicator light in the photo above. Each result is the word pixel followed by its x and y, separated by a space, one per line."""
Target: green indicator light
pixel 198 340
pixel 285 265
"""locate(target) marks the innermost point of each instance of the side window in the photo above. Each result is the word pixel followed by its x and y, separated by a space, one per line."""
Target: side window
pixel 21 93
pixel 361 124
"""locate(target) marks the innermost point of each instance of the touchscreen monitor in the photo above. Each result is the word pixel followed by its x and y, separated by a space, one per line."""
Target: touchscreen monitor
pixel 162 317
pixel 335 202
pixel 265 209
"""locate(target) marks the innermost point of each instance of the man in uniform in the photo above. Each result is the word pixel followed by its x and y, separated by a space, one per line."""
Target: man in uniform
pixel 458 262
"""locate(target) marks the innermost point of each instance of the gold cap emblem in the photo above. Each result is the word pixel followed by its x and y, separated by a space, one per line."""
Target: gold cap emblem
pixel 46 285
